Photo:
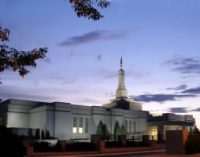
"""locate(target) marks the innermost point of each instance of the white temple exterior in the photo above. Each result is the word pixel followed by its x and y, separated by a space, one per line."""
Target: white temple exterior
pixel 72 121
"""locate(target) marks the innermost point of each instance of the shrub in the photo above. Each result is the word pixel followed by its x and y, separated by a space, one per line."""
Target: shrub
pixel 42 135
pixel 81 146
pixel 10 144
pixel 37 134
pixel 45 147
pixel 102 130
pixel 114 144
pixel 192 144
pixel 117 130
pixel 47 135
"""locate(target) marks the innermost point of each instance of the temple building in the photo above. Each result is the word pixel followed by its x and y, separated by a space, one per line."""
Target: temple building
pixel 72 121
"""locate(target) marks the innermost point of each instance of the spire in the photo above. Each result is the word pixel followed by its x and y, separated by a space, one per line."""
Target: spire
pixel 121 90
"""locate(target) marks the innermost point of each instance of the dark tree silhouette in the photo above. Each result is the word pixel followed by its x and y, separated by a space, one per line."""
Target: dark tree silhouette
pixel 17 60
pixel 88 8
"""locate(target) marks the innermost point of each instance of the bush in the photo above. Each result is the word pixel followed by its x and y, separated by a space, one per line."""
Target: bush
pixel 192 145
pixel 78 146
pixel 10 144
pixel 81 146
pixel 37 134
pixel 45 147
pixel 114 144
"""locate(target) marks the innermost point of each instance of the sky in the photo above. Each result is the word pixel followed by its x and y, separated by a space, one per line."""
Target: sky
pixel 158 40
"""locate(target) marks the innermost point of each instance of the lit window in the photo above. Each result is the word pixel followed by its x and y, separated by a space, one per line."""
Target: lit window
pixel 74 130
pixel 80 130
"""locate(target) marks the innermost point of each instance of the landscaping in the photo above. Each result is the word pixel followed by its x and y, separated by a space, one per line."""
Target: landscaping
pixel 192 144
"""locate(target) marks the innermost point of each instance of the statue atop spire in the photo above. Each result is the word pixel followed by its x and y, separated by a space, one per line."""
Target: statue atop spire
pixel 121 62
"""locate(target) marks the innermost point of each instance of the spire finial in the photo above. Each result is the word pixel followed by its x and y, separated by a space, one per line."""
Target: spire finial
pixel 121 62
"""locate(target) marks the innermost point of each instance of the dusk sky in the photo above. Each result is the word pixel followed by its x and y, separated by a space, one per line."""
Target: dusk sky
pixel 159 41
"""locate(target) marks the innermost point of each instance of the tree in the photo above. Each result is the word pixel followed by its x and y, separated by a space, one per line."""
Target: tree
pixel 105 132
pixel 42 135
pixel 192 144
pixel 117 130
pixel 37 134
pixel 102 130
pixel 17 60
pixel 123 130
pixel 30 133
pixel 47 135
pixel 88 8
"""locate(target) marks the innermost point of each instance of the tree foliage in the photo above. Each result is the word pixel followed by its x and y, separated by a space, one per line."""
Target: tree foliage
pixel 37 134
pixel 88 8
pixel 192 144
pixel 43 135
pixel 102 130
pixel 117 130
pixel 123 130
pixel 47 134
pixel 17 60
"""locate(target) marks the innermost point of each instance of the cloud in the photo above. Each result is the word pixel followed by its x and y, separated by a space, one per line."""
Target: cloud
pixel 196 110
pixel 9 92
pixel 91 37
pixel 180 87
pixel 185 65
pixel 105 73
pixel 160 98
pixel 178 110
pixel 87 101
pixel 195 90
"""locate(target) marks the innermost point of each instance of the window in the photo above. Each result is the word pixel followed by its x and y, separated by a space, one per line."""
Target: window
pixel 126 125
pixel 134 126
pixel 130 126
pixel 80 129
pixel 74 129
pixel 80 125
pixel 86 125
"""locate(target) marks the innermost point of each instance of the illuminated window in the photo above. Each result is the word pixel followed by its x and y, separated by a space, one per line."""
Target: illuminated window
pixel 80 125
pixel 80 129
pixel 74 129
pixel 86 125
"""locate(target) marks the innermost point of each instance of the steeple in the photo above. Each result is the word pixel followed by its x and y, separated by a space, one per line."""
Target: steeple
pixel 121 90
